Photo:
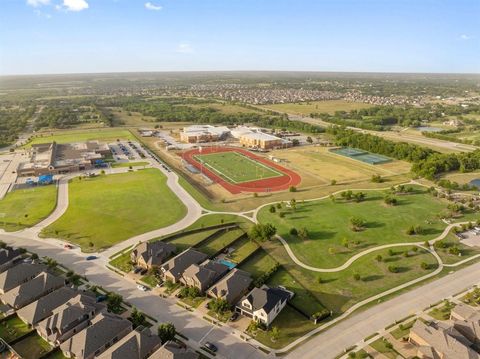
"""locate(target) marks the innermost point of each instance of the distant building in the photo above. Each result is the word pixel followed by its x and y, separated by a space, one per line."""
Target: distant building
pixel 203 276
pixel 174 268
pixel 204 133
pixel 255 138
pixel 173 350
pixel 53 158
pixel 138 344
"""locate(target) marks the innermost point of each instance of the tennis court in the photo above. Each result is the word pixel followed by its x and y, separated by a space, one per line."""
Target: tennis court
pixel 361 155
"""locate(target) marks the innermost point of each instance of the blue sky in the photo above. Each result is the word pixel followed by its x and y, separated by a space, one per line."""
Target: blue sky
pixel 65 36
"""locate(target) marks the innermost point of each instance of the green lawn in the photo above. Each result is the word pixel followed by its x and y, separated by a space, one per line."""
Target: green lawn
pixel 243 248
pixel 328 225
pixel 13 328
pixel 150 279
pixel 128 164
pixel 108 209
pixel 235 167
pixel 403 330
pixel 381 346
pixel 452 241
pixel 217 243
pixel 26 207
pixel 193 302
pixel 291 324
pixel 258 263
pixel 442 312
pixel 32 347
pixel 122 262
pixel 303 299
pixel 472 298
pixel 56 354
pixel 192 239
pixel 103 135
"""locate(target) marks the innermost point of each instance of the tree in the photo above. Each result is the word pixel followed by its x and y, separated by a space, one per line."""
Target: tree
pixel 51 263
pixel 393 269
pixel 379 258
pixel 137 318
pixel 219 306
pixel 333 182
pixel 390 200
pixel 295 142
pixel 359 196
pixel 377 179
pixel 114 302
pixel 292 189
pixel 166 332
pixel 272 209
pixel 303 233
pixel 293 204
pixel 262 232
pixel 345 242
pixel 357 224
pixel 309 140
pixel 274 333
pixel 357 276
pixel 293 231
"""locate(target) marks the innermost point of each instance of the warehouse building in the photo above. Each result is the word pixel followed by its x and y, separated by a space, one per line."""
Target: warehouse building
pixel 204 133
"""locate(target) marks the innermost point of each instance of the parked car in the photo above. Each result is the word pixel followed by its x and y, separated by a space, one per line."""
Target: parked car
pixel 101 298
pixel 143 271
pixel 91 258
pixel 234 317
pixel 137 270
pixel 68 246
pixel 142 288
pixel 211 347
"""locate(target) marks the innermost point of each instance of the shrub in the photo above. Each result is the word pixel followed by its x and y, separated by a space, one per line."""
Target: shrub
pixel 333 182
pixel 293 231
pixel 272 209
pixel 393 269
pixel 357 276
pixel 292 189
pixel 357 224
pixel 166 332
pixel 379 258
pixel 266 276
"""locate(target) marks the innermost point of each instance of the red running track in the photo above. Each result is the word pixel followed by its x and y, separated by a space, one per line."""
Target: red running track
pixel 280 183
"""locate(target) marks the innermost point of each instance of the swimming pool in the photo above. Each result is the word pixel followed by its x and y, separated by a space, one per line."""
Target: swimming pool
pixel 229 264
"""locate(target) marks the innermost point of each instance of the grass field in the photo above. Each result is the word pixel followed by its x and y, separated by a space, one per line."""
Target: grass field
pixel 128 164
pixel 258 263
pixel 306 108
pixel 236 168
pixel 217 243
pixel 109 209
pixel 316 165
pixel 104 135
pixel 242 249
pixel 26 207
pixel 328 225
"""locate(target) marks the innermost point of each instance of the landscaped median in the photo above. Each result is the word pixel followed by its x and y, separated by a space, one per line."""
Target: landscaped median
pixel 108 209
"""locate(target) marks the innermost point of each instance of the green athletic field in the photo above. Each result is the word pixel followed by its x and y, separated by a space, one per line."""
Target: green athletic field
pixel 235 167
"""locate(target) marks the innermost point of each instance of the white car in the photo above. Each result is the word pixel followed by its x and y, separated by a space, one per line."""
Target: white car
pixel 142 288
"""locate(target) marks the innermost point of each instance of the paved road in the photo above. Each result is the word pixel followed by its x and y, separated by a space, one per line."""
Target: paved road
pixel 355 328
pixel 164 310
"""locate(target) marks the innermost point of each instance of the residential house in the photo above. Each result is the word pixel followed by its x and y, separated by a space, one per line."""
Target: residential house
pixel 440 340
pixel 174 268
pixel 69 319
pixel 203 276
pixel 231 287
pixel 467 321
pixel 264 304
pixel 8 257
pixel 104 330
pixel 18 274
pixel 138 344
pixel 152 254
pixel 173 350
pixel 28 292
pixel 43 307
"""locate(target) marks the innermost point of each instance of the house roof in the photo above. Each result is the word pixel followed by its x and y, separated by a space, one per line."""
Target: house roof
pixel 172 350
pixel 7 254
pixel 232 285
pixel 219 268
pixel 71 312
pixel 444 340
pixel 138 344
pixel 154 253
pixel 104 327
pixel 266 298
pixel 177 265
pixel 29 291
pixel 42 308
pixel 464 312
pixel 16 275
pixel 205 273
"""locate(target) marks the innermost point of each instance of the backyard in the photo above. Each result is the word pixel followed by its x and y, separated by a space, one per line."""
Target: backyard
pixel 111 208
pixel 32 347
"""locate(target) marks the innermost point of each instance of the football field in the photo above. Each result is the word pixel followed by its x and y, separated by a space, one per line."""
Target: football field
pixel 235 167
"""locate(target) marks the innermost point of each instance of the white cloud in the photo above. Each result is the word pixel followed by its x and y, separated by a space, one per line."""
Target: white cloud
pixel 37 3
pixel 150 6
pixel 465 37
pixel 185 48
pixel 75 5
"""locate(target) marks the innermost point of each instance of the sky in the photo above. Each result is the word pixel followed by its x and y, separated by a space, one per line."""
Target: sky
pixel 87 36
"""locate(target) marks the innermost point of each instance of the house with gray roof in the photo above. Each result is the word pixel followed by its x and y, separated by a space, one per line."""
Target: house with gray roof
pixel 174 268
pixel 173 350
pixel 440 340
pixel 204 275
pixel 18 274
pixel 26 293
pixel 152 254
pixel 231 287
pixel 467 321
pixel 43 307
pixel 69 319
pixel 8 257
pixel 138 344
pixel 104 330
pixel 264 304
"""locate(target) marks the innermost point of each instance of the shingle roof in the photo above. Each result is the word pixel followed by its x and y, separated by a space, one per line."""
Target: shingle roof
pixel 232 285
pixel 7 254
pixel 266 298
pixel 154 253
pixel 27 292
pixel 104 327
pixel 138 344
pixel 177 265
pixel 172 350
pixel 18 274
pixel 42 308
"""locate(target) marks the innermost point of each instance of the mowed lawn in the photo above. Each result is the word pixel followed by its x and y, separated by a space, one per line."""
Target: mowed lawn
pixel 107 135
pixel 26 207
pixel 331 241
pixel 235 167
pixel 111 208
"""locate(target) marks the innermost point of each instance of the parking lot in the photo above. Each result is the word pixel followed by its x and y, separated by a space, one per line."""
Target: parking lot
pixel 127 151
pixel 471 238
